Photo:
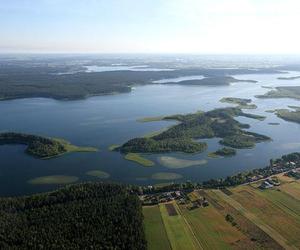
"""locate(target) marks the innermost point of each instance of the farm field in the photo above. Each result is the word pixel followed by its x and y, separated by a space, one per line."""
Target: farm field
pixel 243 217
pixel 292 188
pixel 280 218
pixel 211 229
pixel 178 230
pixel 154 228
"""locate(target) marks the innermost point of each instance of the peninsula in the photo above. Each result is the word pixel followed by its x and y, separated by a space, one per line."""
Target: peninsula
pixel 182 136
pixel 283 92
pixel 42 147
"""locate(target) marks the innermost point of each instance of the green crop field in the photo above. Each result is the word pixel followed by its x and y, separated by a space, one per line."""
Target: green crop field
pixel 280 225
pixel 178 231
pixel 283 200
pixel 154 228
pixel 292 189
pixel 211 228
pixel 259 219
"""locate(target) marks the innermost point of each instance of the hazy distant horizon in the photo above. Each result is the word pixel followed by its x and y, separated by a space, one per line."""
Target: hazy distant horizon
pixel 150 27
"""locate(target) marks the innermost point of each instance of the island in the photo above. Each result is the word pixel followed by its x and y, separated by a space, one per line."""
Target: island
pixel 283 92
pixel 184 136
pixel 212 81
pixel 42 147
pixel 289 115
pixel 289 78
pixel 223 152
pixel 241 103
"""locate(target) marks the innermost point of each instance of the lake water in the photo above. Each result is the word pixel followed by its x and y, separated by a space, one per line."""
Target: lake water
pixel 106 120
pixel 179 79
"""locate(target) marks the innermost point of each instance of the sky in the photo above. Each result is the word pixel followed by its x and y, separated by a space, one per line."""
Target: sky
pixel 150 26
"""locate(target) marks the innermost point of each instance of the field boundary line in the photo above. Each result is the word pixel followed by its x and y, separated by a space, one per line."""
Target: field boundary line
pixel 254 219
pixel 165 227
pixel 189 226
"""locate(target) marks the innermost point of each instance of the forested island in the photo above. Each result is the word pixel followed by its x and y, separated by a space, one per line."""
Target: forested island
pixel 283 92
pixel 289 78
pixel 181 137
pixel 89 215
pixel 42 147
pixel 213 81
pixel 223 152
pixel 241 103
pixel 289 115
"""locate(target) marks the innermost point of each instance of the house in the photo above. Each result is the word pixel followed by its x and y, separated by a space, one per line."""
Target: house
pixel 266 185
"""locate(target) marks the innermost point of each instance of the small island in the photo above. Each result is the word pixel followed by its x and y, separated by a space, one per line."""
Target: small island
pixel 226 152
pixel 241 103
pixel 182 137
pixel 42 147
pixel 289 78
pixel 289 115
pixel 283 92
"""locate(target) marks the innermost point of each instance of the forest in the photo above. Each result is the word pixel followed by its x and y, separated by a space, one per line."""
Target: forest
pixel 36 145
pixel 181 137
pixel 88 215
pixel 67 82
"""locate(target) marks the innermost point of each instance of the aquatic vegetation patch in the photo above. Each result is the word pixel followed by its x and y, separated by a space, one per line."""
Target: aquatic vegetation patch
pixel 166 176
pixel 173 162
pixel 139 159
pixel 53 179
pixel 151 119
pixel 98 173
pixel 113 147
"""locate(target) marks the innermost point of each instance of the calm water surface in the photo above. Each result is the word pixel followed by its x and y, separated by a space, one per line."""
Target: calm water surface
pixel 105 120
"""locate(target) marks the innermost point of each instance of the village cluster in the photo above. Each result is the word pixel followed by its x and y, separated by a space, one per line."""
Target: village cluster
pixel 179 195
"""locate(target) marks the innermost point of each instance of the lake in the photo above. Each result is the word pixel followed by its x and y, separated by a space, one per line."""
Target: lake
pixel 105 120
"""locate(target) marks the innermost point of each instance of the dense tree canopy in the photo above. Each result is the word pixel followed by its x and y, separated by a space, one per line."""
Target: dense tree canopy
pixel 82 216
pixel 216 123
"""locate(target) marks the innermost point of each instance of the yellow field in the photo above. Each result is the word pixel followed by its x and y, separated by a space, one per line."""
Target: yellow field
pixel 293 189
pixel 211 229
pixel 280 221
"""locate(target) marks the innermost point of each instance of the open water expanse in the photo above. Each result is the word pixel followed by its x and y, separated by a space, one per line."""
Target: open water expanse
pixel 105 120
